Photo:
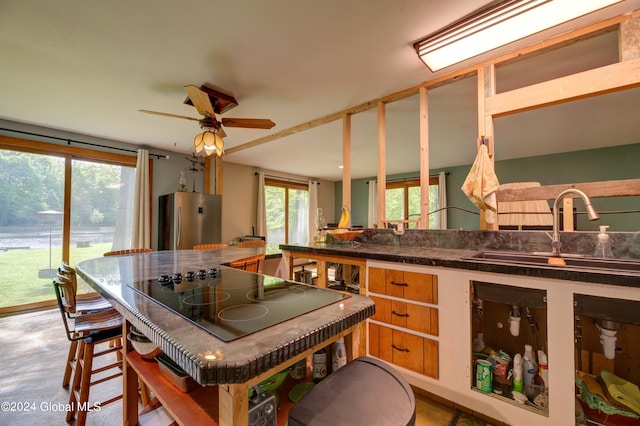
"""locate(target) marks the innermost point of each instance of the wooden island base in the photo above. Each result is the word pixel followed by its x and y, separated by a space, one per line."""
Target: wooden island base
pixel 212 405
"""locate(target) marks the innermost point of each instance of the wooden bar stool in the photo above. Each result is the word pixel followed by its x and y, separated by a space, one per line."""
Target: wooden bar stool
pixel 251 243
pixel 210 246
pixel 251 263
pixel 71 311
pixel 87 330
pixel 127 251
pixel 86 302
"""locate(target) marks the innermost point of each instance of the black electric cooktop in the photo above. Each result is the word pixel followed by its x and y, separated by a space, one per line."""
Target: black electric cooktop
pixel 230 303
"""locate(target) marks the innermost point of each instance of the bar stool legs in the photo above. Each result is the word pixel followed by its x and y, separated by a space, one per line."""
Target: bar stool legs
pixel 84 371
pixel 71 360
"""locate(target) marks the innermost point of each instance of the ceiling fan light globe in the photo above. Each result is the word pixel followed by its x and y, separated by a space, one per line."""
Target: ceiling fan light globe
pixel 209 141
pixel 198 142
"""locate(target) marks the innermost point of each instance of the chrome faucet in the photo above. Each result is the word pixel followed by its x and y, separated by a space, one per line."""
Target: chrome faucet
pixel 592 214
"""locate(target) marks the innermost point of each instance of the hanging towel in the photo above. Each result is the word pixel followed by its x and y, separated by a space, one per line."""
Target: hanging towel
pixel 481 184
pixel 623 391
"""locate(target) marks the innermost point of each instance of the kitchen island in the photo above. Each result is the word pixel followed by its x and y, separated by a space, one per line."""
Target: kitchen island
pixel 234 364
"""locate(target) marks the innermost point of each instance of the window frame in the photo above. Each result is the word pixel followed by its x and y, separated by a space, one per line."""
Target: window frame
pixel 287 185
pixel 406 184
pixel 69 153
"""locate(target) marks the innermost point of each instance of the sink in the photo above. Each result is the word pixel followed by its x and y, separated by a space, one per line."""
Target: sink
pixel 572 261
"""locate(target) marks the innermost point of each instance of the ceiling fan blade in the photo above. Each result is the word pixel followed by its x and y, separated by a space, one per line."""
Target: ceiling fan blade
pixel 146 111
pixel 200 100
pixel 251 123
pixel 221 132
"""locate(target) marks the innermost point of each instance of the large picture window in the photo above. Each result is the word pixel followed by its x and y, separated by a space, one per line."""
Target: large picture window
pixel 287 213
pixel 57 203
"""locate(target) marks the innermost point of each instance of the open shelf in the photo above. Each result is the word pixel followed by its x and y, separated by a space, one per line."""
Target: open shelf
pixel 200 406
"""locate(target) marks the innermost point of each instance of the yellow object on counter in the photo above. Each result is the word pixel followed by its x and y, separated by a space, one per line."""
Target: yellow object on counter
pixel 623 391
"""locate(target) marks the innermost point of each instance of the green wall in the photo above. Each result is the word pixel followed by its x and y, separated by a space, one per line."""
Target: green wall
pixel 620 162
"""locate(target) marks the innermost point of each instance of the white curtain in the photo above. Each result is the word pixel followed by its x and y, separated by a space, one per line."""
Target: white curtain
pixel 442 200
pixel 261 219
pixel 373 204
pixel 141 220
pixel 313 208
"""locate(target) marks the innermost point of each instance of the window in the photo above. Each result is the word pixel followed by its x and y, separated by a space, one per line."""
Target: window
pixel 287 213
pixel 402 201
pixel 57 203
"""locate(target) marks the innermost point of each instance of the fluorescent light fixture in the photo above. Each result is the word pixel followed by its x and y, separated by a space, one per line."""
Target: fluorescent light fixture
pixel 498 25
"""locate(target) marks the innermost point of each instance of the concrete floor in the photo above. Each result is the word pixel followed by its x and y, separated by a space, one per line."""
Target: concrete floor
pixel 34 350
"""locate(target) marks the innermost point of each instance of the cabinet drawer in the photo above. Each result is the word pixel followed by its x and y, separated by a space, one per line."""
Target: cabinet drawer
pixel 419 318
pixel 409 285
pixel 404 349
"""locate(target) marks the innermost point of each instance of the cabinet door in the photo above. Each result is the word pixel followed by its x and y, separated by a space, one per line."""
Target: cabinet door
pixel 408 351
pixel 381 342
pixel 431 359
pixel 376 280
pixel 419 318
pixel 383 309
pixel 395 283
pixel 399 314
pixel 420 287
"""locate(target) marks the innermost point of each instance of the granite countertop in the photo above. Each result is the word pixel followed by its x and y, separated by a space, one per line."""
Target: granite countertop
pixel 237 361
pixel 454 249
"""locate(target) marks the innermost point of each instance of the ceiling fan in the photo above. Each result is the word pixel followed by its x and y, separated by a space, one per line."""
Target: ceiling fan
pixel 208 102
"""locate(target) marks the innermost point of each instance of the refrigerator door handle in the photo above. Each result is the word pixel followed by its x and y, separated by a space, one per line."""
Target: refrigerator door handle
pixel 179 232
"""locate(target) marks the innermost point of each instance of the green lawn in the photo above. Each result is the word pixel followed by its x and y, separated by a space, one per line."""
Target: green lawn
pixel 20 283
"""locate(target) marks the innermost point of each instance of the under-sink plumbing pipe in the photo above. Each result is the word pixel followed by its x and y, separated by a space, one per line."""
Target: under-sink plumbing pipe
pixel 577 335
pixel 608 330
pixel 533 325
pixel 514 320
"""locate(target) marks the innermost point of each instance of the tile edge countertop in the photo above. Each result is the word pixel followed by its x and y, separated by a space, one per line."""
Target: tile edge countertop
pixel 187 344
pixel 460 258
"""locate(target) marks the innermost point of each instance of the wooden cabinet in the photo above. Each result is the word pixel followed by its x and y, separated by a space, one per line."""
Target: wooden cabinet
pixel 403 328
pixel 404 284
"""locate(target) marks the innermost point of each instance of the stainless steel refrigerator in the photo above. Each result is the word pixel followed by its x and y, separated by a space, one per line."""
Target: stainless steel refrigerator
pixel 188 218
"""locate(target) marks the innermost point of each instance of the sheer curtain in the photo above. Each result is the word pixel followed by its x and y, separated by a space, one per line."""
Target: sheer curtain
pixel 442 200
pixel 261 219
pixel 141 220
pixel 313 208
pixel 373 204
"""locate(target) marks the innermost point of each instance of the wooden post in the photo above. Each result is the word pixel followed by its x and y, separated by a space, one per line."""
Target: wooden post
pixel 382 164
pixel 424 159
pixel 629 38
pixel 346 161
pixel 486 88
pixel 130 382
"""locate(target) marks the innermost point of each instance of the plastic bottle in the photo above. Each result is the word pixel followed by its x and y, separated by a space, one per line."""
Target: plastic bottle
pixel 603 249
pixel 339 355
pixel 529 371
pixel 299 370
pixel 319 365
pixel 543 368
pixel 514 320
pixel 518 385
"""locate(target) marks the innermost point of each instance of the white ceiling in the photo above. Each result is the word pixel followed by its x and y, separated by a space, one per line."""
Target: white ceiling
pixel 86 67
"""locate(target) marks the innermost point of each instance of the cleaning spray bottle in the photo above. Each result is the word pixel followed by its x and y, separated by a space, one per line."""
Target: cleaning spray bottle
pixel 518 385
pixel 529 371
pixel 543 368
pixel 603 249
